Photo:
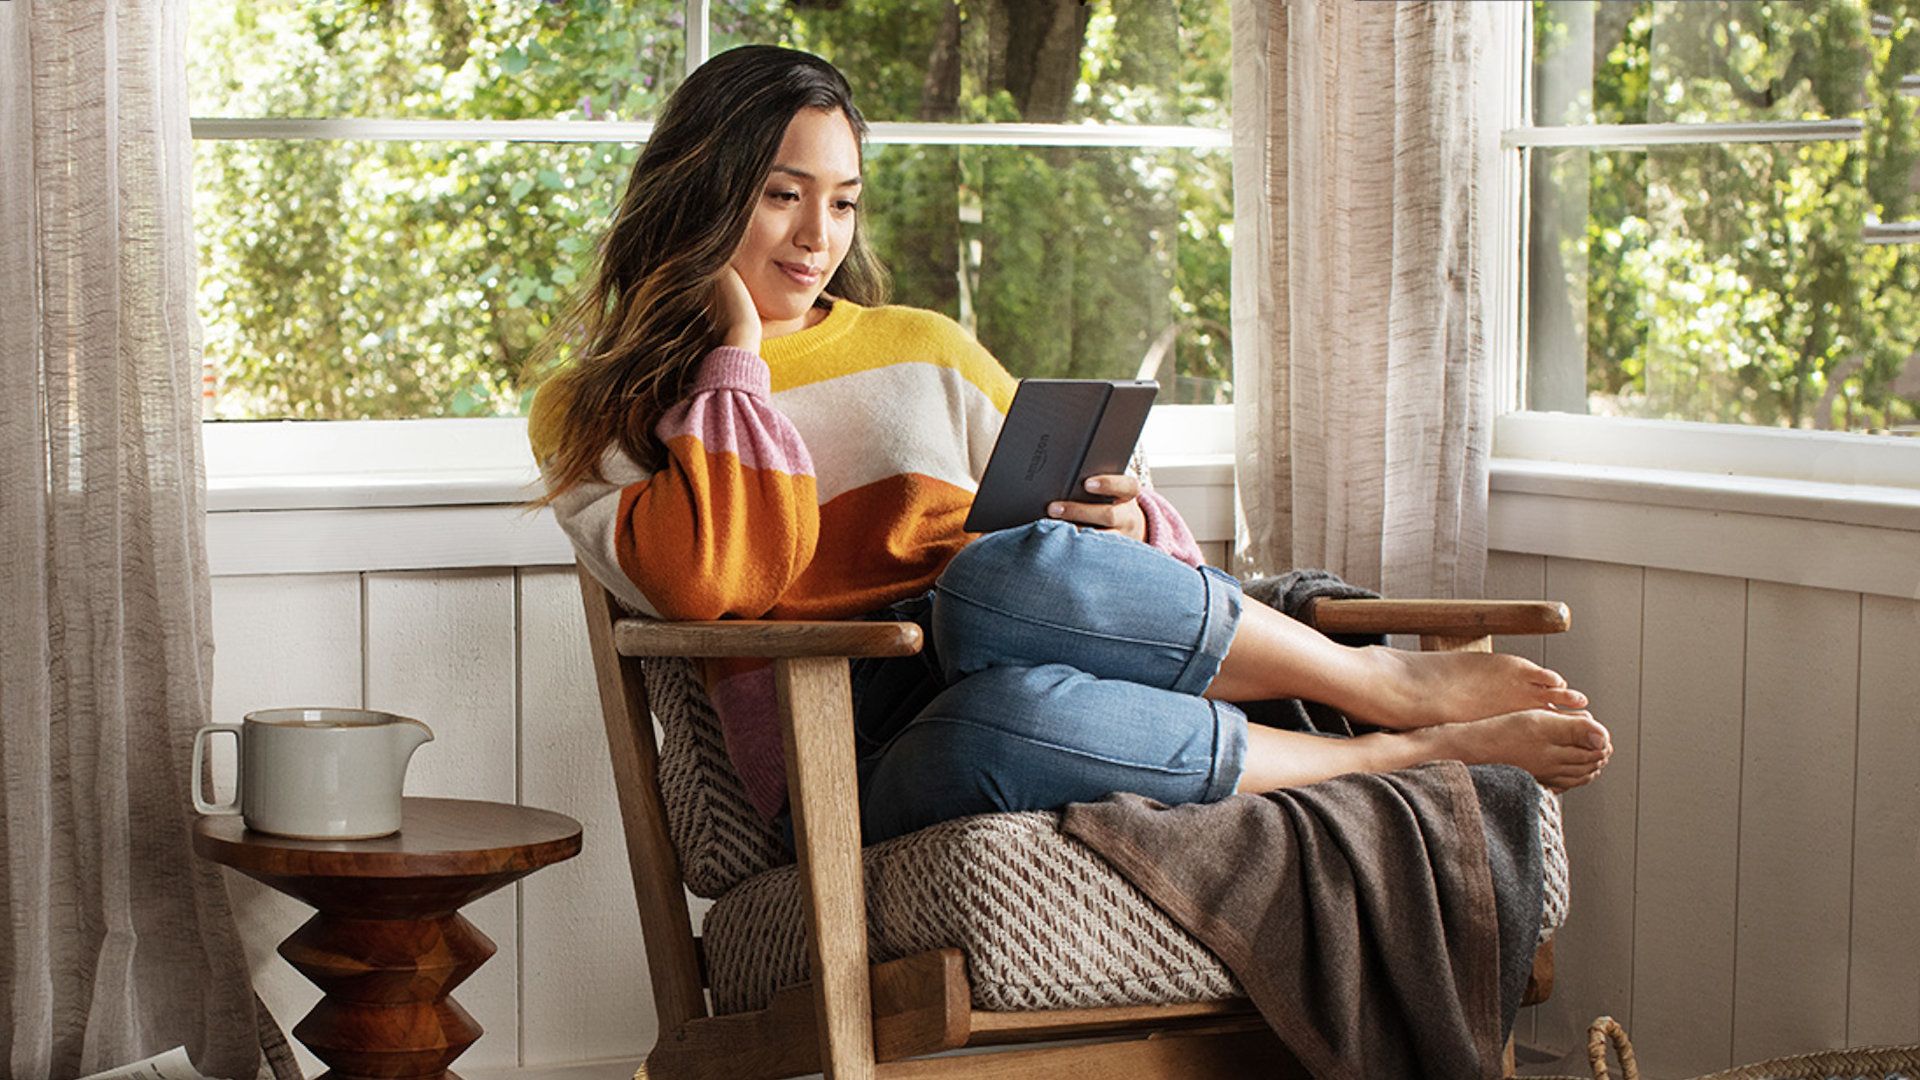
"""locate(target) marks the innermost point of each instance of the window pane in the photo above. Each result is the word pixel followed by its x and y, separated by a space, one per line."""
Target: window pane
pixel 1612 62
pixel 382 280
pixel 1758 305
pixel 389 280
pixel 1050 61
pixel 1067 263
pixel 449 59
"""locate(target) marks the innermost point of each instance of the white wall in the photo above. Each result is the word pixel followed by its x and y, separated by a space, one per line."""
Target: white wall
pixel 1745 873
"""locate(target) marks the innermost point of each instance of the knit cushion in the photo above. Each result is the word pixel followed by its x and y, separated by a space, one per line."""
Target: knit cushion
pixel 1044 922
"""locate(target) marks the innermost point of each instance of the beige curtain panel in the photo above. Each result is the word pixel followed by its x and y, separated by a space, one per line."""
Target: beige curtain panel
pixel 1362 406
pixel 118 943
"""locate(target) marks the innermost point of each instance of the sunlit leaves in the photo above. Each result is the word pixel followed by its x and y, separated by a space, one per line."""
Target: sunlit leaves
pixel 1731 283
pixel 360 279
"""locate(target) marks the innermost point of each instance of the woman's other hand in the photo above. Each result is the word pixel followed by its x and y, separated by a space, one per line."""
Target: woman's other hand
pixel 734 309
pixel 1122 515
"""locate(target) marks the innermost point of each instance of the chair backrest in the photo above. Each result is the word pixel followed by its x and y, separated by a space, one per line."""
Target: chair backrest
pixel 673 963
pixel 720 838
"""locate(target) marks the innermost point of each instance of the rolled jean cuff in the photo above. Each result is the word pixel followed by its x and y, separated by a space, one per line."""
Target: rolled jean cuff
pixel 1229 751
pixel 1220 616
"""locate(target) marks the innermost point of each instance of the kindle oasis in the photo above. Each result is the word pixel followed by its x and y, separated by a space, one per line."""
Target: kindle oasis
pixel 1058 432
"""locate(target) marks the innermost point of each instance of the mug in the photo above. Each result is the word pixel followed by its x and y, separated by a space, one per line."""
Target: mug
pixel 316 774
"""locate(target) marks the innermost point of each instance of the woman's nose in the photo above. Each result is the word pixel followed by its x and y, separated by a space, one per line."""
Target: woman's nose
pixel 811 230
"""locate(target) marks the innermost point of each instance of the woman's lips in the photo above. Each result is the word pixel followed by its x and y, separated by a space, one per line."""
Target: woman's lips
pixel 801 275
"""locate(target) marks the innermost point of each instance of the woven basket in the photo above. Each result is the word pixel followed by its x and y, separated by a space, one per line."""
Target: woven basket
pixel 1856 1063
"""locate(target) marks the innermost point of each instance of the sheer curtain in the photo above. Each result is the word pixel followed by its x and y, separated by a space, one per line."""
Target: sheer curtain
pixel 1362 406
pixel 118 942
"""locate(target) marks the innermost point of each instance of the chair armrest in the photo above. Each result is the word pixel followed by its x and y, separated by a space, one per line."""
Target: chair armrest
pixel 1442 618
pixel 764 637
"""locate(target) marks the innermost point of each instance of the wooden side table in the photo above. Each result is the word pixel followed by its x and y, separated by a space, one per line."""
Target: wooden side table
pixel 388 943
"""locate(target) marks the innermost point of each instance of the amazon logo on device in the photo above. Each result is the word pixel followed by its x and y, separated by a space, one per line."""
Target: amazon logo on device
pixel 1039 457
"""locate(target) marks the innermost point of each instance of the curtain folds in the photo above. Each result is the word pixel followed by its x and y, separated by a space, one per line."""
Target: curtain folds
pixel 1362 406
pixel 118 942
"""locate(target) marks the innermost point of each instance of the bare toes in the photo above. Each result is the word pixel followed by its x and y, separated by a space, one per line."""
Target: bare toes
pixel 1566 698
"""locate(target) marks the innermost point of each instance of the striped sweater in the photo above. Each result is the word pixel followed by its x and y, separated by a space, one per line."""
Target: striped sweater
pixel 826 480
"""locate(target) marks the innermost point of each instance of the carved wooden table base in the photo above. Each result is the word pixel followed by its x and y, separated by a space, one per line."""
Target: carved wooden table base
pixel 388 943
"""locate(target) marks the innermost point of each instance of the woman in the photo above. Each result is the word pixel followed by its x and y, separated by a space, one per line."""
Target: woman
pixel 746 433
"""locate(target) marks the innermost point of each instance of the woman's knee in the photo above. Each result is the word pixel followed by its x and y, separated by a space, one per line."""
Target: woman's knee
pixel 1011 739
pixel 1052 592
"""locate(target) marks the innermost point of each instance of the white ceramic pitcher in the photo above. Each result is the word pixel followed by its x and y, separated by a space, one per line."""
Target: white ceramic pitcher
pixel 316 774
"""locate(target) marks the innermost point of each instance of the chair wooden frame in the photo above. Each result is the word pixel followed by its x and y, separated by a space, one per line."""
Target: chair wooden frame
pixel 857 1021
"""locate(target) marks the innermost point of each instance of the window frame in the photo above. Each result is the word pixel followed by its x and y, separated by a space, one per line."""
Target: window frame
pixel 1853 467
pixel 323 496
pixel 332 467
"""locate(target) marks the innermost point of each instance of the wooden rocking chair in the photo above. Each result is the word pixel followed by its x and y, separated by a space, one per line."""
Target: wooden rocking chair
pixel 856 1020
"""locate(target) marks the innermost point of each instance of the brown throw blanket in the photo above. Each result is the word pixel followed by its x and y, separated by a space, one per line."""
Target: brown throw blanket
pixel 1368 917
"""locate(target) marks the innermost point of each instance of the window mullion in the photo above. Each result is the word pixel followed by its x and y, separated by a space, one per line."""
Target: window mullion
pixel 1636 136
pixel 637 131
pixel 699 31
pixel 367 129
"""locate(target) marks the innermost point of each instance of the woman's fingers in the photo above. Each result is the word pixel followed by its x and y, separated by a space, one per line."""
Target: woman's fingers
pixel 1123 517
pixel 1118 485
pixel 739 319
pixel 1101 515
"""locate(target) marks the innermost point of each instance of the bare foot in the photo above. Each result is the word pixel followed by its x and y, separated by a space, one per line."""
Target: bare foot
pixel 1421 689
pixel 1561 750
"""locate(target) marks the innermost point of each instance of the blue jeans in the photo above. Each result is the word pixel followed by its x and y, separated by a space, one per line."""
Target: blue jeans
pixel 1062 664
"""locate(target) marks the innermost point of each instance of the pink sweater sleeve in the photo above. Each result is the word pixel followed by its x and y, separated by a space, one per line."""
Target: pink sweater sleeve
pixel 733 518
pixel 1165 529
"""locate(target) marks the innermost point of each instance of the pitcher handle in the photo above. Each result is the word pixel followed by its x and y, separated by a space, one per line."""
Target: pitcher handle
pixel 199 752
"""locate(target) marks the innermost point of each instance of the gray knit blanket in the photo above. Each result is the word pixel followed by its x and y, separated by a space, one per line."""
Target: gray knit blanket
pixel 1383 925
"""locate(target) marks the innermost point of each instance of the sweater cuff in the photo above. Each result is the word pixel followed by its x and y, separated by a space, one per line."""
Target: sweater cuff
pixel 1166 531
pixel 728 368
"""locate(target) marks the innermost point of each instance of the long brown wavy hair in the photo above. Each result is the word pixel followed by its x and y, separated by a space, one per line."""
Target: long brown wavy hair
pixel 646 316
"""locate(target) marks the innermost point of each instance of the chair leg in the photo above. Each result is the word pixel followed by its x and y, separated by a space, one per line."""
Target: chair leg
pixel 816 711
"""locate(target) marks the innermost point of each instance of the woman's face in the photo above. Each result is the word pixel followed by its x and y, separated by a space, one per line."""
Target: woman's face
pixel 803 222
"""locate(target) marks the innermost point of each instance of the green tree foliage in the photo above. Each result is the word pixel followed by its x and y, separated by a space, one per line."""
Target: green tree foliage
pixel 386 279
pixel 1731 283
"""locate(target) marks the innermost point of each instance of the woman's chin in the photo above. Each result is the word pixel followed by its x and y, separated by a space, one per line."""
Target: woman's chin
pixel 785 318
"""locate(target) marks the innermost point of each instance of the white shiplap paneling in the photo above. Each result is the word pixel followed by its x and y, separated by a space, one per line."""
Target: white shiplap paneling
pixel 1691 675
pixel 1517 577
pixel 584 992
pixel 1593 953
pixel 281 641
pixel 1884 977
pixel 441 648
pixel 1796 820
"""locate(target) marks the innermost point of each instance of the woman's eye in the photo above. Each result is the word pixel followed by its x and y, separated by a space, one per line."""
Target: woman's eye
pixel 846 206
pixel 784 196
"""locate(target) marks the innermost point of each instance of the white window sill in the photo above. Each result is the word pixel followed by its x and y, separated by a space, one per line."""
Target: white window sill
pixel 1849 537
pixel 304 498
pixel 415 495
pixel 1812 500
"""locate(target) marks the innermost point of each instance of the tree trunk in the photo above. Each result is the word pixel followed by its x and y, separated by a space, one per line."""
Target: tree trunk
pixel 1037 47
pixel 931 266
pixel 940 94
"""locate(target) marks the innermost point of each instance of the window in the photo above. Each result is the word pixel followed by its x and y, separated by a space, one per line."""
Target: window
pixel 393 200
pixel 1723 210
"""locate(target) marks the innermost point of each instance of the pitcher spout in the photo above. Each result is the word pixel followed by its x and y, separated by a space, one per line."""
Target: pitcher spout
pixel 409 734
